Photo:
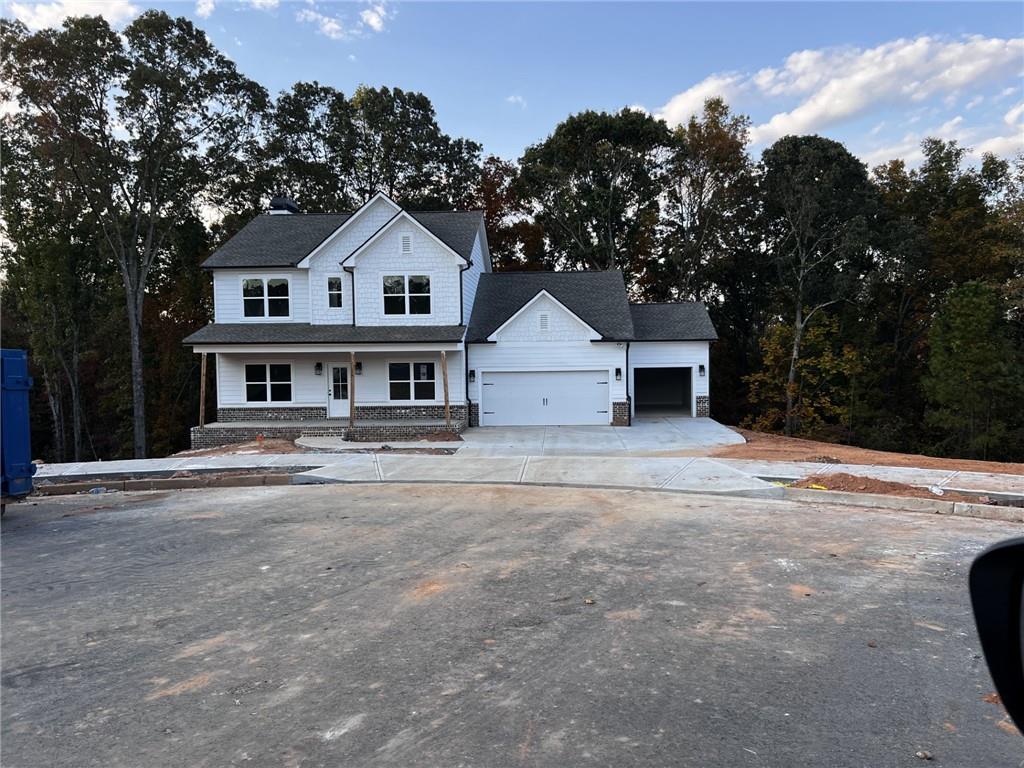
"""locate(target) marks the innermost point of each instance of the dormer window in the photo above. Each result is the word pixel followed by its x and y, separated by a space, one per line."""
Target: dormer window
pixel 265 297
pixel 406 245
pixel 406 294
pixel 334 292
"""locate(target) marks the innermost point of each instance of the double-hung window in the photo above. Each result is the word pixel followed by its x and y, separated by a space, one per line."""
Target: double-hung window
pixel 334 292
pixel 268 382
pixel 406 294
pixel 265 297
pixel 411 381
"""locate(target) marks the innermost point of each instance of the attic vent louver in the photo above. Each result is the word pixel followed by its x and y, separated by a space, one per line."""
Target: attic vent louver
pixel 543 321
pixel 406 244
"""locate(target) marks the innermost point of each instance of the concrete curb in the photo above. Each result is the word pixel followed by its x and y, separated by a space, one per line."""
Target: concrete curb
pixel 908 504
pixel 163 484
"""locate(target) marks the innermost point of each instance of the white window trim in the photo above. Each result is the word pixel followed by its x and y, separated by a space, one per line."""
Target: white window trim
pixel 268 403
pixel 266 306
pixel 412 381
pixel 405 276
pixel 341 291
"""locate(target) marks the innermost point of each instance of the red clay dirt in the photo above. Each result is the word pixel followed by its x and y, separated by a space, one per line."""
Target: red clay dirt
pixel 254 447
pixel 843 481
pixel 767 447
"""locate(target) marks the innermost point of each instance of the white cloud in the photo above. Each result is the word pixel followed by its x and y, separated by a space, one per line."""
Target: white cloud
pixel 264 5
pixel 845 84
pixel 328 26
pixel 681 107
pixel 974 102
pixel 204 8
pixel 516 100
pixel 1001 146
pixel 337 27
pixel 374 17
pixel 40 15
pixel 1014 115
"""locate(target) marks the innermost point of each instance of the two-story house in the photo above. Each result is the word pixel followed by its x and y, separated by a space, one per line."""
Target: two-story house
pixel 386 323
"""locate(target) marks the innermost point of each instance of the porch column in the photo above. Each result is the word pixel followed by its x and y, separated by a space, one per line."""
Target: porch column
pixel 444 378
pixel 352 389
pixel 202 391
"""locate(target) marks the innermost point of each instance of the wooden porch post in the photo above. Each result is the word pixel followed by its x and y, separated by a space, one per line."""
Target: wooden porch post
pixel 352 389
pixel 202 391
pixel 444 377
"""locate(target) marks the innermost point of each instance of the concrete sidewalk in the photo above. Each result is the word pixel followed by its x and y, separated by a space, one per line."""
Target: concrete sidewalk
pixel 734 476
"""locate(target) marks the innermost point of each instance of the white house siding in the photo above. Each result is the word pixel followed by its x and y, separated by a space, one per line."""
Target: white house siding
pixel 310 390
pixel 549 356
pixel 327 262
pixel 471 277
pixel 227 295
pixel 562 326
pixel 384 257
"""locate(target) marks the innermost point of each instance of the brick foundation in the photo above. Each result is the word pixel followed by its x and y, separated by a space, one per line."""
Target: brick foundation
pixel 703 405
pixel 408 412
pixel 620 414
pixel 281 413
pixel 213 436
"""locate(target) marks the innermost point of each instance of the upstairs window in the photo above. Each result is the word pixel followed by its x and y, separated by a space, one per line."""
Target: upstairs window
pixel 406 294
pixel 268 382
pixel 411 381
pixel 265 298
pixel 334 292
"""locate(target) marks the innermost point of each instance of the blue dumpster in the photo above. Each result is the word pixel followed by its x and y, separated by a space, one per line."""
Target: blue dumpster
pixel 15 446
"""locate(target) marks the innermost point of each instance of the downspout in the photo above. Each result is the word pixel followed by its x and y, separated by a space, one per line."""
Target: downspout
pixel 465 346
pixel 352 273
pixel 629 398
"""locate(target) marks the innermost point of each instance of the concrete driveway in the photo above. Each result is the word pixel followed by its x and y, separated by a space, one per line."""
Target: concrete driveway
pixel 489 626
pixel 648 435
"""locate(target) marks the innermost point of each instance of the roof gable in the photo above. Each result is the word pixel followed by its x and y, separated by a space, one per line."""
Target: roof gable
pixel 407 217
pixel 598 299
pixel 378 199
pixel 541 295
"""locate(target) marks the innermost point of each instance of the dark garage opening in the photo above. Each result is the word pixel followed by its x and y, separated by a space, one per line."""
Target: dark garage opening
pixel 662 390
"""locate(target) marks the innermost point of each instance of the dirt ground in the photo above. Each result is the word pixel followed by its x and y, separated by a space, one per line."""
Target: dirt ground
pixel 843 481
pixel 778 448
pixel 272 445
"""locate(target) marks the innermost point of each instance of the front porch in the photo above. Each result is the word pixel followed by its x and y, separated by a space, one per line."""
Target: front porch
pixel 365 395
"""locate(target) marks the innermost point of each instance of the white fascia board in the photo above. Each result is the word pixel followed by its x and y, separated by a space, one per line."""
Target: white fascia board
pixel 291 349
pixel 594 334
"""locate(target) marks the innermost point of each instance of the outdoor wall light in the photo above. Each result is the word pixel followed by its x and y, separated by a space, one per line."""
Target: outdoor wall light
pixel 701 370
pixel 359 368
pixel 318 369
pixel 472 375
pixel 618 374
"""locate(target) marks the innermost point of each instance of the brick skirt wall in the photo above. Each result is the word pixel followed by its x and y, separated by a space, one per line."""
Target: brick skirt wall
pixel 213 436
pixel 703 405
pixel 474 414
pixel 280 413
pixel 408 412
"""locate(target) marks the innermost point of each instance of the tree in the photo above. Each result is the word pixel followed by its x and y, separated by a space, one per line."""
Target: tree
pixel 146 123
pixel 975 374
pixel 514 240
pixel 818 207
pixel 594 186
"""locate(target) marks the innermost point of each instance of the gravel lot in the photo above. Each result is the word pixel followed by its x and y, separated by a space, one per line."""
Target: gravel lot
pixel 415 625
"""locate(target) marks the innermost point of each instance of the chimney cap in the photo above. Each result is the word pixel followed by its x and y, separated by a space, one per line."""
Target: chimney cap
pixel 280 204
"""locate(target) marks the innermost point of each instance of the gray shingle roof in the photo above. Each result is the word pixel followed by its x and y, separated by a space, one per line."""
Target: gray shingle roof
pixel 303 333
pixel 679 321
pixel 275 241
pixel 597 298
pixel 284 241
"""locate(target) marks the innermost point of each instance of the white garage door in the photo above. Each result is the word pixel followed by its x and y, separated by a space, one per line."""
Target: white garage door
pixel 550 398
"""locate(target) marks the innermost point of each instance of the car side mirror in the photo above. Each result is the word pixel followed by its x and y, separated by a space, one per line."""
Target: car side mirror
pixel 997 595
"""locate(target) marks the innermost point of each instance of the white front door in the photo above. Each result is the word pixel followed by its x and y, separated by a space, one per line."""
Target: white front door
pixel 337 392
pixel 544 398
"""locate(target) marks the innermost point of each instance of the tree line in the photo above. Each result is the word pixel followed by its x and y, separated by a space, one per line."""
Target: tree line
pixel 881 307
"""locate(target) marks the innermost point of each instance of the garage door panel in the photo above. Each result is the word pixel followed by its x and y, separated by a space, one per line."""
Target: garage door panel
pixel 544 398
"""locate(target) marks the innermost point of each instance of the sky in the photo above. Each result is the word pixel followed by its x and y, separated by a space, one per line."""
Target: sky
pixel 877 76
